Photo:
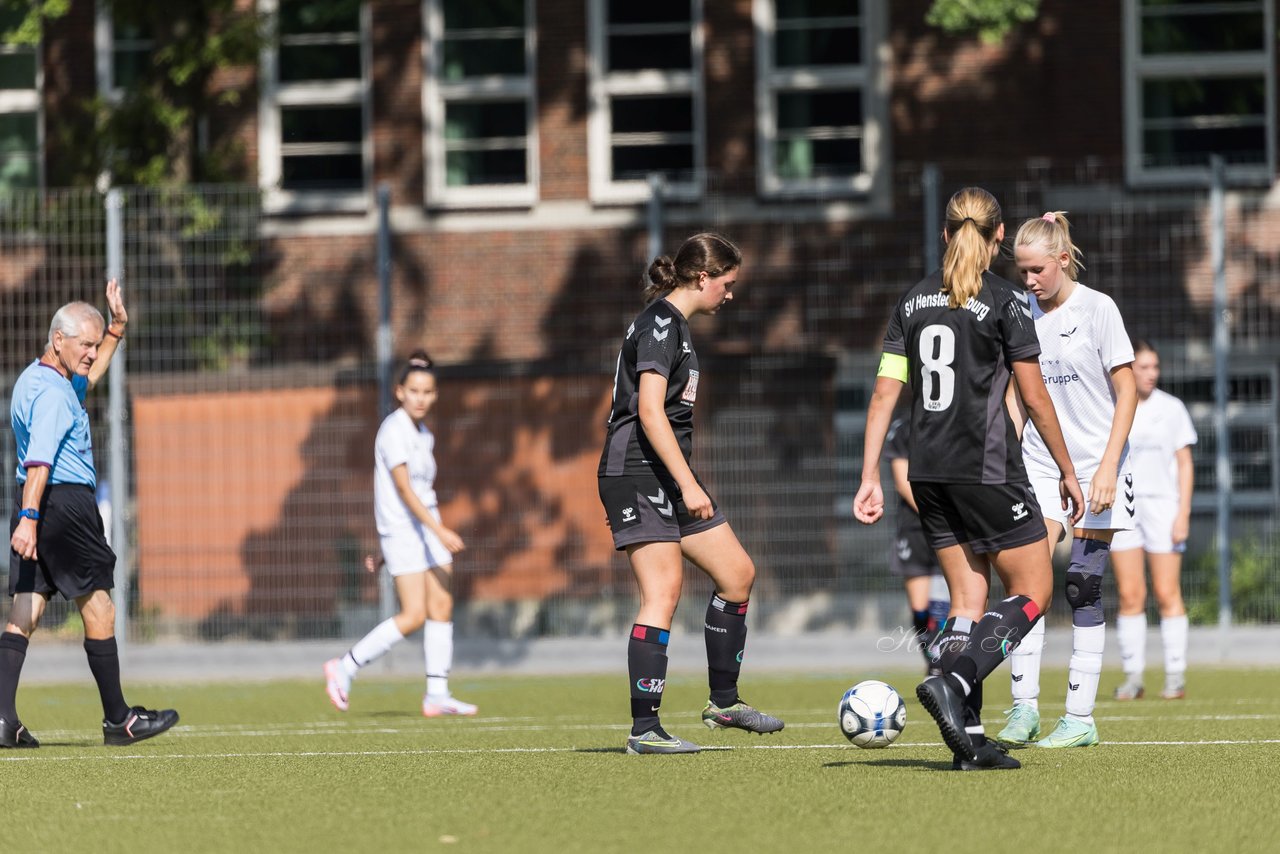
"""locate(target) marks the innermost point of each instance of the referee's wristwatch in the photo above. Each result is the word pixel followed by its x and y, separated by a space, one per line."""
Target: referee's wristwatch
pixel 29 513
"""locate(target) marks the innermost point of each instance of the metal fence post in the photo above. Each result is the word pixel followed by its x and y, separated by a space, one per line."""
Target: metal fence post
pixel 117 456
pixel 657 193
pixel 1221 391
pixel 929 181
pixel 386 588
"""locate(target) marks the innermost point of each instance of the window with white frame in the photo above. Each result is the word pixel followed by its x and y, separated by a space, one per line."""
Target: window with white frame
pixel 314 149
pixel 481 144
pixel 646 113
pixel 19 108
pixel 1200 81
pixel 819 107
pixel 123 52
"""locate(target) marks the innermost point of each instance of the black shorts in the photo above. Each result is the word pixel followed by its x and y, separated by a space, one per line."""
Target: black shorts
pixel 71 546
pixel 912 556
pixel 646 508
pixel 986 517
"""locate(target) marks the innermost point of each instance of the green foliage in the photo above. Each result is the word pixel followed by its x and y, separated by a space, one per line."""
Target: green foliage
pixel 20 20
pixel 990 19
pixel 1255 582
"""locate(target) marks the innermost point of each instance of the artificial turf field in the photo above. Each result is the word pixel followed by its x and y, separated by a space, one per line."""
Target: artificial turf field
pixel 272 767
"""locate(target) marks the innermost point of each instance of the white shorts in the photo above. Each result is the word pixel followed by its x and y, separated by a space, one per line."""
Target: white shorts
pixel 1118 517
pixel 414 548
pixel 1154 529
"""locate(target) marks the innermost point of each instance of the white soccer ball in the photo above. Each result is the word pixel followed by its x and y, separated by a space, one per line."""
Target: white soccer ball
pixel 872 714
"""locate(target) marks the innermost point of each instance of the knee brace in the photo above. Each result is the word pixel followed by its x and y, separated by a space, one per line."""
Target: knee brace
pixel 1084 581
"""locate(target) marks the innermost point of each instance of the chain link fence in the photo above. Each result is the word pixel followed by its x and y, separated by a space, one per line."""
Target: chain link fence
pixel 253 391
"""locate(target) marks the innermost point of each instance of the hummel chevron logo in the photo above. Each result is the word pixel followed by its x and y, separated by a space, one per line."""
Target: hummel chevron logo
pixel 664 322
pixel 1128 481
pixel 1128 496
pixel 661 336
pixel 661 503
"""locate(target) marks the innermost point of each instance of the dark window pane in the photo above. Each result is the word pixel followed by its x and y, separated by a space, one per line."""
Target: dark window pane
pixel 472 168
pixel 838 108
pixel 319 16
pixel 818 158
pixel 817 9
pixel 328 172
pixel 18 71
pixel 656 114
pixel 831 46
pixel 1192 146
pixel 319 62
pixel 662 51
pixel 129 66
pixel 649 11
pixel 485 119
pixel 479 57
pixel 1209 96
pixel 18 171
pixel 470 15
pixel 321 124
pixel 1204 33
pixel 17 132
pixel 635 162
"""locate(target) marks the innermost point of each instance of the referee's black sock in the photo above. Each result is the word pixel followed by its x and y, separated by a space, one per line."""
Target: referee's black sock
pixel 13 652
pixel 647 668
pixel 725 630
pixel 104 662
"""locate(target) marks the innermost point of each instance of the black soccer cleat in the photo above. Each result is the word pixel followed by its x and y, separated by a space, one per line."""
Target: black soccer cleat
pixel 947 708
pixel 990 757
pixel 140 723
pixel 16 735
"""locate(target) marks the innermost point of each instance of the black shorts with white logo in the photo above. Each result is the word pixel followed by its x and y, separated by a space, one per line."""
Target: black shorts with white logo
pixel 986 517
pixel 73 557
pixel 912 555
pixel 646 508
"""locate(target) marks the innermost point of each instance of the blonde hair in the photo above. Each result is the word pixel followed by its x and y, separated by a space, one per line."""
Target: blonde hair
pixel 1052 232
pixel 973 216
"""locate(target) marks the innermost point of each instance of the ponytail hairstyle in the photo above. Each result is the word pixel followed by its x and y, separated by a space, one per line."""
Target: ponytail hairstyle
pixel 418 361
pixel 707 252
pixel 1052 232
pixel 973 217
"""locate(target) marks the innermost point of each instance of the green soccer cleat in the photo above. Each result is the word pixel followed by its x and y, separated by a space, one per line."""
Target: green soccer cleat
pixel 1071 733
pixel 740 716
pixel 656 741
pixel 1023 726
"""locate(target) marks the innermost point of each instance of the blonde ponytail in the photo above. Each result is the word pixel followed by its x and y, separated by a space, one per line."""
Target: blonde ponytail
pixel 973 217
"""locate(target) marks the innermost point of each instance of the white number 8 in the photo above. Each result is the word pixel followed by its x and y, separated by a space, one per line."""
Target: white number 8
pixel 939 379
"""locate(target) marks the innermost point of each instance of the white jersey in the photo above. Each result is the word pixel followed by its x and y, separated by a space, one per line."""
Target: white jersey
pixel 401 442
pixel 1081 341
pixel 1161 427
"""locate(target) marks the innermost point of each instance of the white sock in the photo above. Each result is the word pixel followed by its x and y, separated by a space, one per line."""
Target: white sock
pixel 437 647
pixel 1024 666
pixel 1131 632
pixel 1088 643
pixel 372 646
pixel 1173 632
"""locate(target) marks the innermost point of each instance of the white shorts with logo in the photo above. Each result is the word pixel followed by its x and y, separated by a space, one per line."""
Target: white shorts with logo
pixel 414 548
pixel 1154 529
pixel 1118 517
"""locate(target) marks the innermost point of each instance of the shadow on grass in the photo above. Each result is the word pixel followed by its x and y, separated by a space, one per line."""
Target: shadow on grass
pixel 600 750
pixel 921 764
pixel 395 713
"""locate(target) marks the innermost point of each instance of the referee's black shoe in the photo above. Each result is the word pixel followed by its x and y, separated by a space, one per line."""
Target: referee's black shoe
pixel 16 735
pixel 140 723
pixel 946 706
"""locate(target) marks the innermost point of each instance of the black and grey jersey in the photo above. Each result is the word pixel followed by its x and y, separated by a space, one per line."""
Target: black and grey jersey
pixel 658 340
pixel 959 365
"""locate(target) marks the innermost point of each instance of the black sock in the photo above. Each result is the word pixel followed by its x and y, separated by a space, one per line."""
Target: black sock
pixel 725 629
pixel 104 662
pixel 920 631
pixel 647 668
pixel 13 652
pixel 952 640
pixel 997 634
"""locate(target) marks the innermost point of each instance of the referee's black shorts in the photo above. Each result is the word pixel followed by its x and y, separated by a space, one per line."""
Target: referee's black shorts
pixel 985 517
pixel 73 557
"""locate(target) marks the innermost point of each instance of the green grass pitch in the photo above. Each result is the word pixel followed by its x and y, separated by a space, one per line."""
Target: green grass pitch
pixel 272 767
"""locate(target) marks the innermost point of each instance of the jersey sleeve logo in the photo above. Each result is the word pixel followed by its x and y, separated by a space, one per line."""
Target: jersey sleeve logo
pixel 662 323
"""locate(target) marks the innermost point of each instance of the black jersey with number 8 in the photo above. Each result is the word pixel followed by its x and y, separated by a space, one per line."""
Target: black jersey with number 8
pixel 959 365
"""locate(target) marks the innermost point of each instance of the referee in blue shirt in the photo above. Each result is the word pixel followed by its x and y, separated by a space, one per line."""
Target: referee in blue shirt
pixel 57 543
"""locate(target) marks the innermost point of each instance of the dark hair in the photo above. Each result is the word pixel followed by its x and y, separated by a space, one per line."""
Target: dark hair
pixel 973 216
pixel 418 361
pixel 706 252
pixel 1142 345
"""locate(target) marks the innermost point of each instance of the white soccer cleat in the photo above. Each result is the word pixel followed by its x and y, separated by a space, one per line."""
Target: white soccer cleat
pixel 435 707
pixel 334 684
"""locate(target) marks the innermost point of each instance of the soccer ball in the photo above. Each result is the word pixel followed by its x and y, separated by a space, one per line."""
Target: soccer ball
pixel 872 714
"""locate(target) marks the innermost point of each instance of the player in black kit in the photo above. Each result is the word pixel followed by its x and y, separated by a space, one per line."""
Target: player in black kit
pixel 658 509
pixel 956 337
